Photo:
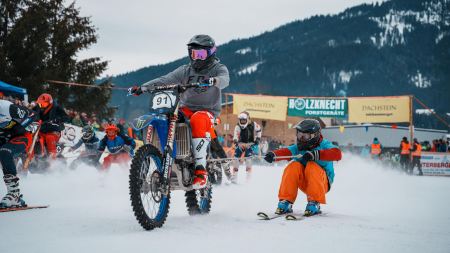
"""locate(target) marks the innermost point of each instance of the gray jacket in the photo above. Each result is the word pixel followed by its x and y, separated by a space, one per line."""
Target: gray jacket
pixel 196 99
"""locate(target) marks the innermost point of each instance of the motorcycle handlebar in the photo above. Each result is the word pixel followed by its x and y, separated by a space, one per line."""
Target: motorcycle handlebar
pixel 177 86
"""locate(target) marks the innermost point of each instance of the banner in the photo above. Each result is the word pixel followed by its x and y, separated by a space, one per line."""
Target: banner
pixel 261 107
pixel 379 109
pixel 435 164
pixel 318 107
pixel 72 134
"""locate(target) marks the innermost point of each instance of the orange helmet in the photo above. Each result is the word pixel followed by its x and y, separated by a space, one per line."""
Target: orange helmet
pixel 44 100
pixel 111 130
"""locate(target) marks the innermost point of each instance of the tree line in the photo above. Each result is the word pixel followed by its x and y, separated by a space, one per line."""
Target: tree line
pixel 39 41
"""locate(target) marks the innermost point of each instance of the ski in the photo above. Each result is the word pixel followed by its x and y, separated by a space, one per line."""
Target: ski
pixel 294 217
pixel 288 216
pixel 20 208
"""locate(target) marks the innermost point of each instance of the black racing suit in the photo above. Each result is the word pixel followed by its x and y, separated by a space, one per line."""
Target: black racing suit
pixel 15 138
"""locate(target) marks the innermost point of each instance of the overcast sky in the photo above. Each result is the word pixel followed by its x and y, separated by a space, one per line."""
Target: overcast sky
pixel 138 33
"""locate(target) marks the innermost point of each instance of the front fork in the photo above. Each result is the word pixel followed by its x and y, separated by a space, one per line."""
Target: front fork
pixel 168 152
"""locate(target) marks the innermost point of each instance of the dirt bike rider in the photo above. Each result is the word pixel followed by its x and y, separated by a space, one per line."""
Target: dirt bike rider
pixel 247 135
pixel 116 144
pixel 17 125
pixel 199 105
pixel 91 144
pixel 313 173
pixel 53 117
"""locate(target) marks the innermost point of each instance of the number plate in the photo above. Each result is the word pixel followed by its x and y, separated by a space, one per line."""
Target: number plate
pixel 163 100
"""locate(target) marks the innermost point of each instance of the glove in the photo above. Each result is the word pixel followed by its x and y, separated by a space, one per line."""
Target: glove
pixel 131 152
pixel 135 90
pixel 270 157
pixel 209 82
pixel 236 143
pixel 311 156
pixel 257 141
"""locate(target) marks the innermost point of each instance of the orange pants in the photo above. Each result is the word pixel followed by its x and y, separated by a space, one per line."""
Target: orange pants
pixel 311 180
pixel 115 158
pixel 201 122
pixel 49 141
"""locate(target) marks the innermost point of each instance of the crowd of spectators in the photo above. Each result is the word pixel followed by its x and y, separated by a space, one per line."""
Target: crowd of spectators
pixel 75 117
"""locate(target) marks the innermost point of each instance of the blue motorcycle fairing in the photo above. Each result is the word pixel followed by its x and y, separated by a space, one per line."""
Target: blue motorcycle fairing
pixel 159 122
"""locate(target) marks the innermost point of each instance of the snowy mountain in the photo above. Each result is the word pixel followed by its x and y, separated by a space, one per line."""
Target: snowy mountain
pixel 370 209
pixel 391 48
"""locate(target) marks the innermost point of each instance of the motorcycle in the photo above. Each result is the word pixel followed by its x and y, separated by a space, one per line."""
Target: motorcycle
pixel 39 160
pixel 165 162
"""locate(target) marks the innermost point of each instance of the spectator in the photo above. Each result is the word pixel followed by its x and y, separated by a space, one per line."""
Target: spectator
pixel 84 118
pixel 122 127
pixel 95 124
pixel 404 154
pixel 434 147
pixel 375 149
pixel 442 146
pixel 416 154
pixel 77 120
pixel 365 151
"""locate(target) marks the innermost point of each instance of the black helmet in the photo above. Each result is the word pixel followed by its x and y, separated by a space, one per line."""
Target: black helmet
pixel 202 49
pixel 88 133
pixel 308 134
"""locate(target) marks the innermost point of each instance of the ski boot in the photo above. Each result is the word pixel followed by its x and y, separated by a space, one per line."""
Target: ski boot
pixel 249 174
pixel 227 170
pixel 234 175
pixel 284 207
pixel 13 198
pixel 312 208
pixel 200 150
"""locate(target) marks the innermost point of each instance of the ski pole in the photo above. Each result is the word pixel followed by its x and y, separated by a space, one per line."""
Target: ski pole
pixel 26 164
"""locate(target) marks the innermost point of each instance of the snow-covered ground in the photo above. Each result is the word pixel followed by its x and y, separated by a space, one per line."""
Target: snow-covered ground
pixel 370 209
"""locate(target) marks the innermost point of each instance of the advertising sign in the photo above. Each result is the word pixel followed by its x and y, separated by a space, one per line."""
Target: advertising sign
pixel 262 107
pixel 379 109
pixel 435 164
pixel 318 107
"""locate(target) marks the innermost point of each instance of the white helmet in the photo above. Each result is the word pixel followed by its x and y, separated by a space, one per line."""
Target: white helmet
pixel 244 119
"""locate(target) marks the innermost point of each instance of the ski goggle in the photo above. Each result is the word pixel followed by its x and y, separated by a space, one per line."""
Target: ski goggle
pixel 43 104
pixel 201 54
pixel 304 136
pixel 243 121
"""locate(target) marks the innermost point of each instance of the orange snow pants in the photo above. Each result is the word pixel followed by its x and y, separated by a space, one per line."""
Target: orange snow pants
pixel 202 122
pixel 312 180
pixel 49 140
pixel 121 158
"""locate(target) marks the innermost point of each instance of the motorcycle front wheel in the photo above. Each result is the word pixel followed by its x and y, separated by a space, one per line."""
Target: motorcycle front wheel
pixel 150 204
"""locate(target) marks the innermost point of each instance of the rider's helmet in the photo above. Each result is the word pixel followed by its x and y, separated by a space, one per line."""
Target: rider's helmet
pixel 308 134
pixel 202 50
pixel 87 133
pixel 44 101
pixel 111 131
pixel 244 119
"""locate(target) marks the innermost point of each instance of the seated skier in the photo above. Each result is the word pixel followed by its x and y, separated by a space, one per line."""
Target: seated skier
pixel 246 138
pixel 91 155
pixel 17 125
pixel 116 142
pixel 312 172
